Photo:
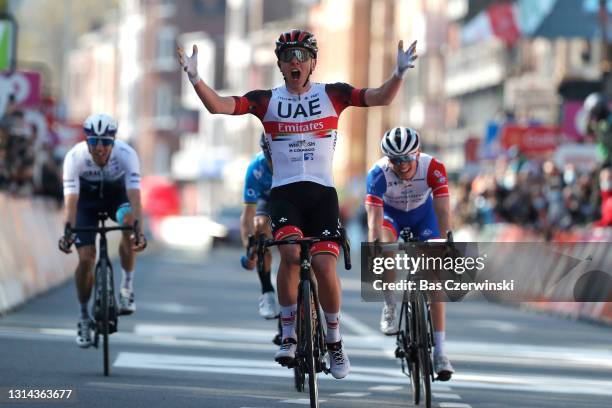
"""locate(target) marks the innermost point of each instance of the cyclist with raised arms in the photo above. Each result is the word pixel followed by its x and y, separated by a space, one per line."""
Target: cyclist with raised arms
pixel 300 120
pixel 101 174
pixel 407 188
pixel 255 220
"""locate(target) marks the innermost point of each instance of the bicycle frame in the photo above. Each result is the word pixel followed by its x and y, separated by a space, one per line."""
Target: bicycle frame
pixel 415 343
pixel 106 322
pixel 311 347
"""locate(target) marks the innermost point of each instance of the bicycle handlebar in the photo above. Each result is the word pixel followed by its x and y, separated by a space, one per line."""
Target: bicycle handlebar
pixel 69 230
pixel 340 238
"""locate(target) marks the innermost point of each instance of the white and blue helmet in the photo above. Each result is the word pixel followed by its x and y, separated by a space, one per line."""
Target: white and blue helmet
pixel 100 125
pixel 400 141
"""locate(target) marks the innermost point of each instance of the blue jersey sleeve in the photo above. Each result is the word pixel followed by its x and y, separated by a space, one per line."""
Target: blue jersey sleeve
pixel 251 185
pixel 376 182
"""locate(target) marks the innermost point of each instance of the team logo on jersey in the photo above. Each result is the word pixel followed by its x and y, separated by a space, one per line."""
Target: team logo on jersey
pixel 426 232
pixel 283 219
pixel 442 180
pixel 437 173
pixel 308 156
pixel 257 173
pixel 250 192
pixel 326 233
pixel 286 110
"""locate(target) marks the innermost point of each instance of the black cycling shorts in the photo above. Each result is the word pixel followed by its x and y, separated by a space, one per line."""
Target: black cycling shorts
pixel 305 209
pixel 87 215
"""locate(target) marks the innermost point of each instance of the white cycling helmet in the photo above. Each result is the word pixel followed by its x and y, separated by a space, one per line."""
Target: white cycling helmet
pixel 100 124
pixel 400 141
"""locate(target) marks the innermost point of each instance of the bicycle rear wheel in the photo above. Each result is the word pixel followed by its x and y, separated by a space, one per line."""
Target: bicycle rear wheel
pixel 104 305
pixel 424 341
pixel 411 349
pixel 309 355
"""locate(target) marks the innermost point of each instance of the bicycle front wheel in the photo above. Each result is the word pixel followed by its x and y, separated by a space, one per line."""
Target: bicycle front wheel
pixel 105 313
pixel 309 355
pixel 424 339
pixel 410 344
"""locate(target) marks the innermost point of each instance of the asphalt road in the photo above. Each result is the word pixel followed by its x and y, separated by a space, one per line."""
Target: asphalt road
pixel 197 341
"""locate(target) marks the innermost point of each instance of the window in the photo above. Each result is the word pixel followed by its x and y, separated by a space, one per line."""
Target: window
pixel 164 98
pixel 164 49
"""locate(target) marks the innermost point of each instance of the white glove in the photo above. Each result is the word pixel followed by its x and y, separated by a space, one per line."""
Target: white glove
pixel 190 64
pixel 405 59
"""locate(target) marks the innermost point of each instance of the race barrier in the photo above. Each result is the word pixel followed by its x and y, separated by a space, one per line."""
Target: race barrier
pixel 569 276
pixel 30 262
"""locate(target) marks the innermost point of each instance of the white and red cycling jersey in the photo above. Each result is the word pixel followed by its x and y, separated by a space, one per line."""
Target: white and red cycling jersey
pixel 301 130
pixel 386 188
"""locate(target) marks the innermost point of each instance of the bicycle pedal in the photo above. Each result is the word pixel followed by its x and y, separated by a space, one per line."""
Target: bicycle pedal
pixel 286 361
pixel 399 353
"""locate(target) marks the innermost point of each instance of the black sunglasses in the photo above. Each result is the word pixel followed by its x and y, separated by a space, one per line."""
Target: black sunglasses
pixel 403 159
pixel 288 54
pixel 94 140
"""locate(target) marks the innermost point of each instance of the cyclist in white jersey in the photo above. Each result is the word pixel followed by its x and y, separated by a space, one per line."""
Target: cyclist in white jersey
pixel 101 174
pixel 408 188
pixel 300 120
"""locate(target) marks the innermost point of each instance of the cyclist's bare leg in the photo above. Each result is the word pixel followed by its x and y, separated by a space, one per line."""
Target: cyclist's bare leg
pixel 288 274
pixel 389 275
pixel 262 226
pixel 330 297
pixel 126 255
pixel 84 272
pixel 286 287
pixel 324 266
pixel 438 313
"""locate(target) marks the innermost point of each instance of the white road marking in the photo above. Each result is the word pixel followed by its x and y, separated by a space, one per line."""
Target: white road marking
pixel 374 375
pixel 441 395
pixel 504 327
pixel 375 346
pixel 436 386
pixel 357 327
pixel 300 401
pixel 171 308
pixel 351 394
pixel 386 388
pixel 454 405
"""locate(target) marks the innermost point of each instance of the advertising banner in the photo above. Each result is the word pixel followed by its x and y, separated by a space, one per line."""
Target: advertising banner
pixel 531 139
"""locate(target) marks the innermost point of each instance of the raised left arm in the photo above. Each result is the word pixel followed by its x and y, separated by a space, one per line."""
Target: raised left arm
pixel 384 94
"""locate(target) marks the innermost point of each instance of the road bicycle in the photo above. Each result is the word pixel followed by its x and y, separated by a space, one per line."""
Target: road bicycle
pixel 414 340
pixel 104 308
pixel 311 347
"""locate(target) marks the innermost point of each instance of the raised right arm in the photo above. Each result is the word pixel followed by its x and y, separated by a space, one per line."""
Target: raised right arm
pixel 213 102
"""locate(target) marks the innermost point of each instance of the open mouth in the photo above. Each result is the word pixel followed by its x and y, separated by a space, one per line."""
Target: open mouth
pixel 295 73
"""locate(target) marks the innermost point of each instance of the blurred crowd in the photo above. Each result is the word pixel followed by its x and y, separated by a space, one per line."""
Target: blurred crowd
pixel 540 194
pixel 28 160
pixel 534 193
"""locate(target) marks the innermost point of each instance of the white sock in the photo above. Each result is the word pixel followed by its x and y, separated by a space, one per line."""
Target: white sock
pixel 439 340
pixel 333 327
pixel 389 298
pixel 128 280
pixel 288 321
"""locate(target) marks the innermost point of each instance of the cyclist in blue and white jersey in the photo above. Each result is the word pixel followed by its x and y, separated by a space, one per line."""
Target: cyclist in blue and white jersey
pixel 101 174
pixel 255 220
pixel 408 188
